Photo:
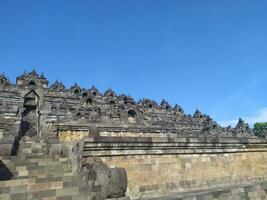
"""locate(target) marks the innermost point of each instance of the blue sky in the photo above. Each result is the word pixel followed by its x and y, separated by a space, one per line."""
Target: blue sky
pixel 210 55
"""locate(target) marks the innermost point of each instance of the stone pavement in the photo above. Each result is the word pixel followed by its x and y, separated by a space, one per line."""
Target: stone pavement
pixel 249 191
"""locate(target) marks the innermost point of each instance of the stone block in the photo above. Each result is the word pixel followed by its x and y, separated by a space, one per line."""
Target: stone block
pixel 120 198
pixel 6 149
pixel 4 190
pixel 44 194
pixel 4 197
pixel 69 191
pixel 18 196
pixel 55 149
pixel 34 187
pixel 18 189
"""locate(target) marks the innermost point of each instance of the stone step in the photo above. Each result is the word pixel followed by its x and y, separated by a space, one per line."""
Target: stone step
pixel 46 172
pixel 67 181
pixel 34 164
pixel 30 144
pixel 37 148
pixel 59 194
pixel 38 175
pixel 36 167
pixel 61 187
pixel 27 160
pixel 32 152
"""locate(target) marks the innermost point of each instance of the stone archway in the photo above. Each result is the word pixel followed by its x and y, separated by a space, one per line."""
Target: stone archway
pixel 30 116
pixel 131 116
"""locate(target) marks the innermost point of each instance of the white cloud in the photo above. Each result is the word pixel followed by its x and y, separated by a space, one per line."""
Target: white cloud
pixel 261 116
pixel 237 95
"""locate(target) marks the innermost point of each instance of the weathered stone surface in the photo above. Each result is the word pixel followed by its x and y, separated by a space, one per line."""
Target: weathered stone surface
pixel 113 181
pixel 72 135
pixel 31 107
pixel 157 172
pixel 6 149
pixel 233 192
pixel 143 149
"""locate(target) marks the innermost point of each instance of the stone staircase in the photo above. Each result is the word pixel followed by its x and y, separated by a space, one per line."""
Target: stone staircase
pixel 35 174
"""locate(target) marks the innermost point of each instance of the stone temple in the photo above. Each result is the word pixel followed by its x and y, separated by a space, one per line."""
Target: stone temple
pixel 74 143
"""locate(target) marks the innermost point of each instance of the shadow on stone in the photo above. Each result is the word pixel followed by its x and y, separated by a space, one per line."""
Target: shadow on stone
pixel 5 173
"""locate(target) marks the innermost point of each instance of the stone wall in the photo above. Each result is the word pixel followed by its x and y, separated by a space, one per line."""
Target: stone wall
pixel 158 175
pixel 42 109
pixel 72 135
pixel 156 167
pixel 162 149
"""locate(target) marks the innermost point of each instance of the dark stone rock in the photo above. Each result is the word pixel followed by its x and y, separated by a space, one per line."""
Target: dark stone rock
pixel 113 181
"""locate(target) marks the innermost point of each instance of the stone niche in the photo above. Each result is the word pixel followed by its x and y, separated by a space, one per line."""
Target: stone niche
pixel 132 117
pixel 159 175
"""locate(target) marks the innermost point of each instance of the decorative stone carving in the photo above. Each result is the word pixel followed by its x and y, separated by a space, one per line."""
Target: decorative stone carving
pixel 75 89
pixel 110 93
pixel 93 91
pixel 113 181
pixel 57 86
pixel 197 114
pixel 243 128
pixel 126 100
pixel 4 80
pixel 32 79
pixel 178 109
pixel 72 135
pixel 79 106
pixel 147 103
pixel 165 105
